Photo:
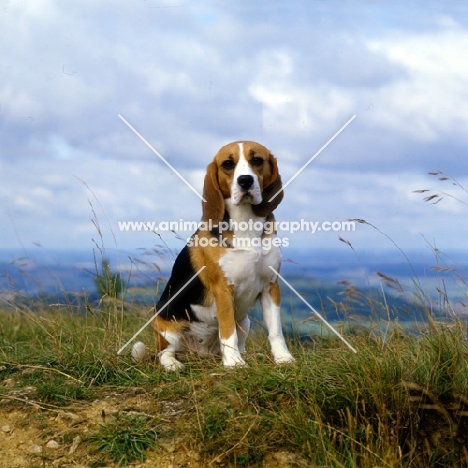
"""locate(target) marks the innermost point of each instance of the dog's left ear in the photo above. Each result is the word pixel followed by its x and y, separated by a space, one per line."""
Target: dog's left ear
pixel 272 187
pixel 213 208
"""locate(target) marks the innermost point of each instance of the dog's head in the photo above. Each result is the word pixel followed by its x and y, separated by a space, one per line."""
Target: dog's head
pixel 244 172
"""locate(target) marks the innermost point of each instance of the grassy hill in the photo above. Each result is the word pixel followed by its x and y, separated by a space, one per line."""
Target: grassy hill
pixel 68 399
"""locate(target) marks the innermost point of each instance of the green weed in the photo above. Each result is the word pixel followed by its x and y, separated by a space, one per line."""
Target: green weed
pixel 126 438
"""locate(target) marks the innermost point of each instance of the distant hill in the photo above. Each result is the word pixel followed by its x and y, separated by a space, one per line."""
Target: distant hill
pixel 339 286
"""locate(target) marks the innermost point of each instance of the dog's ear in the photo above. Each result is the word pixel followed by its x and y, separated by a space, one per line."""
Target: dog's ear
pixel 272 188
pixel 213 208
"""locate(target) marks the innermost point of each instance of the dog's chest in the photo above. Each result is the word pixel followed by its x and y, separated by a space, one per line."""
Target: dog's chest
pixel 248 270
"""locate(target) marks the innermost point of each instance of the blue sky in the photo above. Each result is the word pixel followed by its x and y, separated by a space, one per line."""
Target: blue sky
pixel 193 76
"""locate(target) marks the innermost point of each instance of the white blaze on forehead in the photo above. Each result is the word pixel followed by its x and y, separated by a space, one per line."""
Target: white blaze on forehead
pixel 242 167
pixel 243 164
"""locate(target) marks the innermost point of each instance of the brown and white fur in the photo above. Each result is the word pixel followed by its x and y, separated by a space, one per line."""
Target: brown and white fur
pixel 210 315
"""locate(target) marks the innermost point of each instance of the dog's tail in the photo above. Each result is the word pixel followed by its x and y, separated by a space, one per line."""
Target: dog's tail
pixel 140 352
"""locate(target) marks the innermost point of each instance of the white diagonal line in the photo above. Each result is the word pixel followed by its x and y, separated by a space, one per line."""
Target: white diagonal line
pixel 160 310
pixel 160 156
pixel 315 312
pixel 313 157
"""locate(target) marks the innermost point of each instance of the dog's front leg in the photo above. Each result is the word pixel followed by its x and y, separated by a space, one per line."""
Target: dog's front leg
pixel 270 302
pixel 227 328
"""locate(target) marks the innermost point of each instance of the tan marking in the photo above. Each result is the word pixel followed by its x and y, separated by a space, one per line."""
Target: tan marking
pixel 159 325
pixel 213 208
pixel 275 293
pixel 216 284
pixel 225 310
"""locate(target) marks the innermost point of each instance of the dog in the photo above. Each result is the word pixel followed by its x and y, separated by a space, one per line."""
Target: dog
pixel 236 244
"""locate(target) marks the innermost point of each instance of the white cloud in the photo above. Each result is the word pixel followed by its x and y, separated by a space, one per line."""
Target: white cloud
pixel 290 106
pixel 193 77
pixel 430 100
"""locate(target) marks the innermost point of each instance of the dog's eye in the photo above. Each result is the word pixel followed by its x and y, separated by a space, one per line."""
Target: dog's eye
pixel 256 161
pixel 228 164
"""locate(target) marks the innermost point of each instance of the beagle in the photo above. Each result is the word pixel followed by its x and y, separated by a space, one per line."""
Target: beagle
pixel 237 246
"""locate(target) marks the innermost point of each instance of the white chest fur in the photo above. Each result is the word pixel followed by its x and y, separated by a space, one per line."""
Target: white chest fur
pixel 247 264
pixel 248 269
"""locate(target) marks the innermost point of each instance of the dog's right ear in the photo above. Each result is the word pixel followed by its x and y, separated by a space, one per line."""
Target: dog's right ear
pixel 213 206
pixel 273 188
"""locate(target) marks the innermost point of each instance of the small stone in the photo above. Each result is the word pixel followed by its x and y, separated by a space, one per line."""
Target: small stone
pixel 194 455
pixel 52 444
pixel 59 462
pixel 24 392
pixel 169 447
pixel 7 429
pixel 72 418
pixel 35 449
pixel 19 462
pixel 9 383
pixel 74 446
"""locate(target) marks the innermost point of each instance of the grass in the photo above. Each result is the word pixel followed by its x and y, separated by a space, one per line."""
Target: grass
pixel 126 438
pixel 399 402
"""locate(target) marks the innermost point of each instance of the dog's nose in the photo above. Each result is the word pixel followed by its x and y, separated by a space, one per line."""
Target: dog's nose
pixel 245 181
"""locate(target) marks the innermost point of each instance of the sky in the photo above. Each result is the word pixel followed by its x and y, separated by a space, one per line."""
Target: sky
pixel 191 76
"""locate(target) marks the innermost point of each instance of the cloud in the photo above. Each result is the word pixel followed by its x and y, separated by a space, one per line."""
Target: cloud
pixel 58 209
pixel 431 102
pixel 191 77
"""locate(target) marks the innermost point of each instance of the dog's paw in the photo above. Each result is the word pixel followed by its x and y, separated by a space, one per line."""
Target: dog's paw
pixel 233 361
pixel 169 362
pixel 284 359
pixel 139 352
pixel 174 366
